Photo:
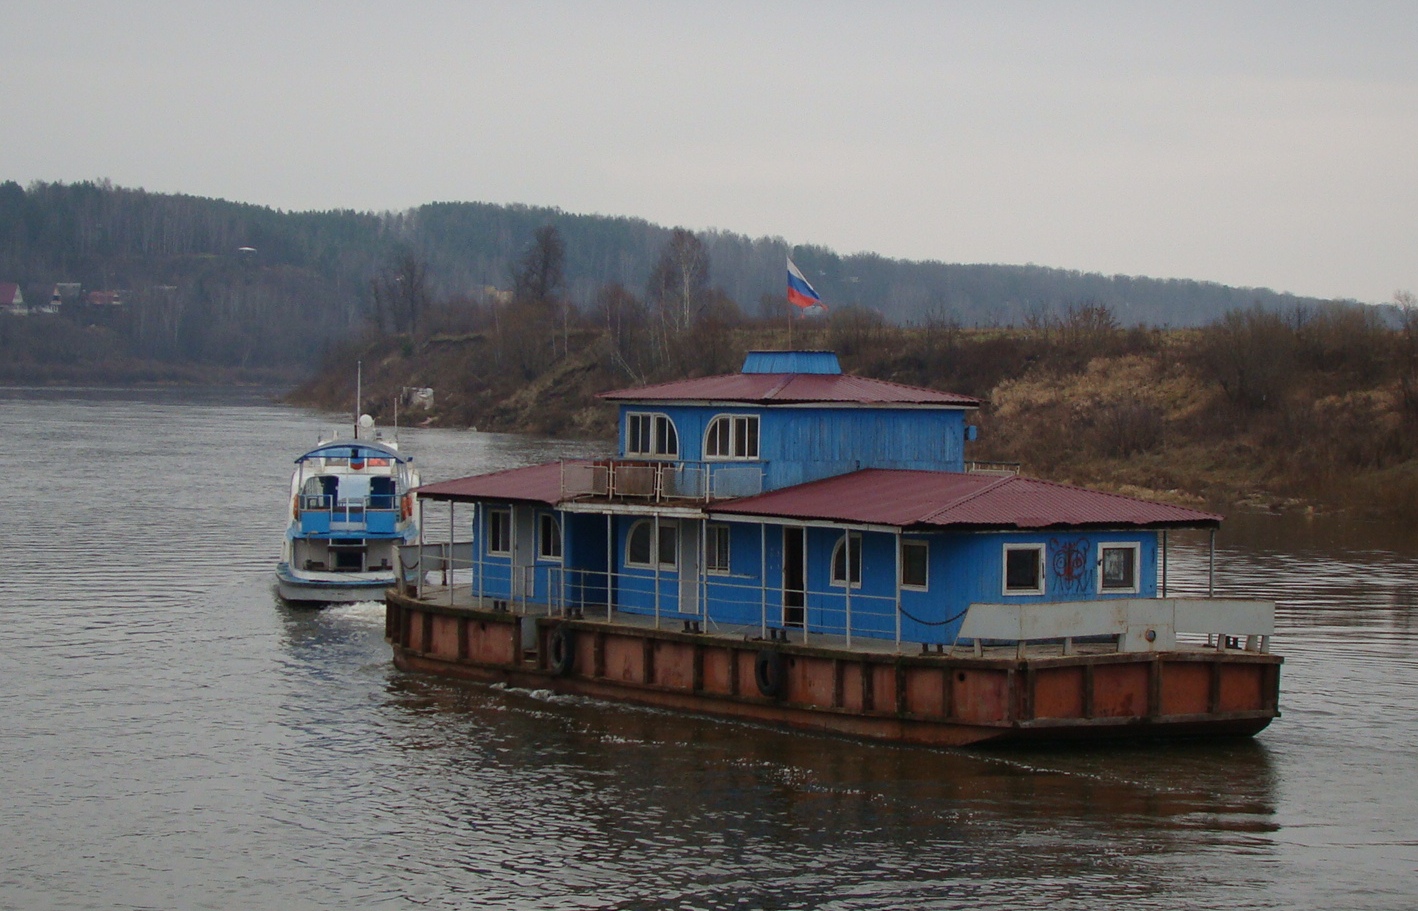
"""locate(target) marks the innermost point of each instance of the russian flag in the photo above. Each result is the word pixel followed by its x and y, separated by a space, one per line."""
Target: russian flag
pixel 800 293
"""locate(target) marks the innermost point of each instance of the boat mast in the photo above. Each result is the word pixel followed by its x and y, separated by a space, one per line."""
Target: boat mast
pixel 359 381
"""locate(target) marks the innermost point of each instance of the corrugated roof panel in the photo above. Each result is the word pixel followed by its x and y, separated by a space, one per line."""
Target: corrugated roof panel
pixel 790 389
pixel 955 500
pixel 537 484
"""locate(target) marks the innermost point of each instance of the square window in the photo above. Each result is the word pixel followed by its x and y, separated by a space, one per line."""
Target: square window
pixel 637 545
pixel 717 548
pixel 1119 568
pixel 669 545
pixel 499 531
pixel 915 562
pixel 548 537
pixel 1023 569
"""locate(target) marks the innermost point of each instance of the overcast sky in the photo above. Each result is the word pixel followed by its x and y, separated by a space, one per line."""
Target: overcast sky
pixel 1257 144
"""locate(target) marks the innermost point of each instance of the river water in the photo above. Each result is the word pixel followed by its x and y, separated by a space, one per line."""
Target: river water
pixel 171 736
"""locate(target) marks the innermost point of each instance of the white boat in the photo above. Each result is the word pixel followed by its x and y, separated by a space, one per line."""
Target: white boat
pixel 351 505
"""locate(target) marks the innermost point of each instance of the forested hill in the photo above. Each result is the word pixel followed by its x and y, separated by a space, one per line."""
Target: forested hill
pixel 208 281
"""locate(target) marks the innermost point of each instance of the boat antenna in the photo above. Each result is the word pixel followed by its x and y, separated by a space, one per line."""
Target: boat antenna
pixel 359 381
pixel 396 417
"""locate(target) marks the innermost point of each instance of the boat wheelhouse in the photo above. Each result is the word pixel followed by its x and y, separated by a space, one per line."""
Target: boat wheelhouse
pixel 351 508
pixel 796 545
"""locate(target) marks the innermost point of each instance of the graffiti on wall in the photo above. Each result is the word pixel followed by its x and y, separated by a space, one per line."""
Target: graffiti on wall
pixel 1070 566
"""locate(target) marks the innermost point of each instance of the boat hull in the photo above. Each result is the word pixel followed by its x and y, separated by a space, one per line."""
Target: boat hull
pixel 298 588
pixel 931 699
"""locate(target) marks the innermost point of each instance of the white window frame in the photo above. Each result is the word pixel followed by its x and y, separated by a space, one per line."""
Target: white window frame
pixel 717 551
pixel 499 517
pixel 925 546
pixel 1136 548
pixel 836 581
pixel 655 542
pixel 663 434
pixel 736 437
pixel 1038 551
pixel 545 519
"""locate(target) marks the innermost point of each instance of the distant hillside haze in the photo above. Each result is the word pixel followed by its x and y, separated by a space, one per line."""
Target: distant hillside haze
pixel 210 281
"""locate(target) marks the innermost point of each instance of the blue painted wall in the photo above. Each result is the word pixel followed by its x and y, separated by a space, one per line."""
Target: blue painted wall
pixel 806 444
pixel 963 568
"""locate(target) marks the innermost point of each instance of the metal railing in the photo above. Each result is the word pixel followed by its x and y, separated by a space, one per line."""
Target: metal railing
pixel 660 481
pixel 1139 624
pixel 976 466
pixel 743 604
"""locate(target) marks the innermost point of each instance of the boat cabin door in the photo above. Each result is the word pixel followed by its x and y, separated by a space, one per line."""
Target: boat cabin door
pixel 524 550
pixel 689 568
pixel 794 576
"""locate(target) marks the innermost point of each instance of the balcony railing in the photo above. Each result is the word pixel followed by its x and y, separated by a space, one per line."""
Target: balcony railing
pixel 658 482
pixel 320 513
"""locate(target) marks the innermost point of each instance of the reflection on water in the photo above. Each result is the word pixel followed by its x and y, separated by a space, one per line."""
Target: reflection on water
pixel 174 736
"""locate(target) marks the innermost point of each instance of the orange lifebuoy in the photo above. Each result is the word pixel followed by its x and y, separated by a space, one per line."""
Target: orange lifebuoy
pixel 295 506
pixel 408 507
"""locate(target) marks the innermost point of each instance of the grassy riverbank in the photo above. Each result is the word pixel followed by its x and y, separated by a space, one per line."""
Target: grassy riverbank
pixel 1307 411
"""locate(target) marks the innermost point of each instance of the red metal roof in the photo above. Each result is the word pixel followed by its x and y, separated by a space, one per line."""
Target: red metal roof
pixel 536 484
pixel 791 389
pixel 949 499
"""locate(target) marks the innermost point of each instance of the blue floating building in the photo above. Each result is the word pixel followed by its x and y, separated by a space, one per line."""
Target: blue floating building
pixel 793 504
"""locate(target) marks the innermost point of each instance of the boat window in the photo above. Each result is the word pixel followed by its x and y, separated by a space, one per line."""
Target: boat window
pixel 839 561
pixel 499 531
pixel 651 435
pixel 1024 569
pixel 732 436
pixel 669 545
pixel 1118 564
pixel 717 547
pixel 641 543
pixel 915 564
pixel 548 537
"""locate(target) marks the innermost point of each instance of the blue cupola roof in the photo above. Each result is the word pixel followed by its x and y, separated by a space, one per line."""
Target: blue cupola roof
pixel 820 362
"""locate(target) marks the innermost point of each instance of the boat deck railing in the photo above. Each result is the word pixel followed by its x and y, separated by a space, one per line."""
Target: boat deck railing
pixel 323 512
pixel 658 482
pixel 747 608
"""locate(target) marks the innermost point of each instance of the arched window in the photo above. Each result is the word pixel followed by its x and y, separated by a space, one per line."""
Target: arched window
pixel 650 435
pixel 638 543
pixel 643 548
pixel 840 562
pixel 732 436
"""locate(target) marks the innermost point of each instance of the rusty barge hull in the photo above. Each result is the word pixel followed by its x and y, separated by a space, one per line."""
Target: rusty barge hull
pixel 930 699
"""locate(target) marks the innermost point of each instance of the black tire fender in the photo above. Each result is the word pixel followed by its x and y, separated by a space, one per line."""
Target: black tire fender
pixel 770 672
pixel 561 649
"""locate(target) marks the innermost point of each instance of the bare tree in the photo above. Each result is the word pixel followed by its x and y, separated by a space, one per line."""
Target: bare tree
pixel 539 274
pixel 680 280
pixel 400 292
